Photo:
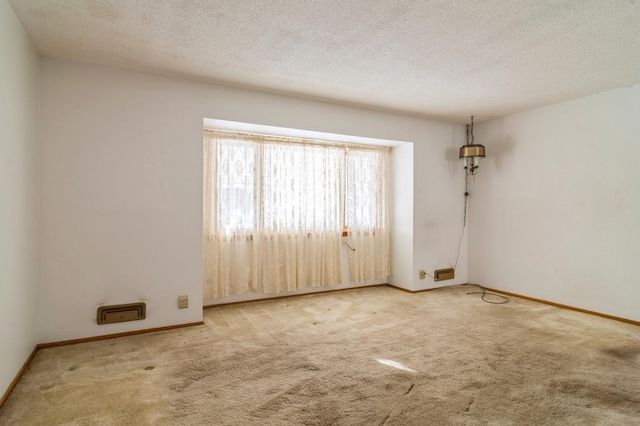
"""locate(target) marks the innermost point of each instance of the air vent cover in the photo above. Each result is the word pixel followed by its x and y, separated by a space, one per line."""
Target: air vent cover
pixel 121 313
pixel 443 274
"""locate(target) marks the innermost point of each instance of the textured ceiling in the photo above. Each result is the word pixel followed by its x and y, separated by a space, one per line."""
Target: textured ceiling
pixel 447 59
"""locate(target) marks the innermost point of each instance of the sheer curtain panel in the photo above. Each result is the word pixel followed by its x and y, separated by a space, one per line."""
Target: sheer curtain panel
pixel 273 214
pixel 229 218
pixel 367 214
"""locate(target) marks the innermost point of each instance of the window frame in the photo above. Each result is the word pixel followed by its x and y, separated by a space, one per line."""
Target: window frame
pixel 260 138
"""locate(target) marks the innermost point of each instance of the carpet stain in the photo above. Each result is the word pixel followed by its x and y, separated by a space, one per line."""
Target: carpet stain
pixel 469 406
pixel 600 394
pixel 474 385
pixel 626 353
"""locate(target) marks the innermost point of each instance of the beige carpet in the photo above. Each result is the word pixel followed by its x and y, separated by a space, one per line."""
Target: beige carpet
pixel 374 356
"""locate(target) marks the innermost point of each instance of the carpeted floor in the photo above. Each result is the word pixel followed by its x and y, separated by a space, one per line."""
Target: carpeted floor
pixel 374 356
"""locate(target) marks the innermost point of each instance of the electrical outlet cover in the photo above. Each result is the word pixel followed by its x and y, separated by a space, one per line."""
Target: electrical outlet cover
pixel 183 302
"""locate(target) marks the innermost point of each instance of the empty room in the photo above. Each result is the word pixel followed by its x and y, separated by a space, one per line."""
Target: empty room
pixel 319 212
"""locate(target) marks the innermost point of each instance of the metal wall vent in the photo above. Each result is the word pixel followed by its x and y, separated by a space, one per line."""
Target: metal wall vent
pixel 122 313
pixel 443 274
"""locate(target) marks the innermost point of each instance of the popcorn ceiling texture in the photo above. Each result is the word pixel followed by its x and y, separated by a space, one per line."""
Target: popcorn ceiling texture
pixel 446 59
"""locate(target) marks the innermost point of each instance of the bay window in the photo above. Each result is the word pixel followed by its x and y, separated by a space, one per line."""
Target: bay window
pixel 276 209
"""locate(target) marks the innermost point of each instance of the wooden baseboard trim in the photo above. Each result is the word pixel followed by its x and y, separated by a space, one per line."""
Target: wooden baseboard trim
pixel 318 292
pixel 413 291
pixel 113 336
pixel 571 308
pixel 400 288
pixel 287 296
pixel 427 289
pixel 13 384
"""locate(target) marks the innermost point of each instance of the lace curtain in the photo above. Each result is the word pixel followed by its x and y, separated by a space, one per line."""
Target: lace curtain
pixel 367 217
pixel 229 217
pixel 275 211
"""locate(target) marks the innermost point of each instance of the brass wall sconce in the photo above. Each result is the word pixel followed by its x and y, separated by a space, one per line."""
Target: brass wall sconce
pixel 471 152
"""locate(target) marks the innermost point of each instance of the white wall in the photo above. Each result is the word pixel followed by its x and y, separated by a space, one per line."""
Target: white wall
pixel 18 196
pixel 402 216
pixel 439 206
pixel 554 214
pixel 122 186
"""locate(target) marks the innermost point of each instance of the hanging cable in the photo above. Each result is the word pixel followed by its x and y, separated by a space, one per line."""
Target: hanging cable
pixel 466 196
pixel 347 244
pixel 485 293
pixel 471 170
pixel 464 220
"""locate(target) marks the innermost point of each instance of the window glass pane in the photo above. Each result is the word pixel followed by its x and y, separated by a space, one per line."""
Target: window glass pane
pixel 301 187
pixel 236 185
pixel 363 189
pixel 281 186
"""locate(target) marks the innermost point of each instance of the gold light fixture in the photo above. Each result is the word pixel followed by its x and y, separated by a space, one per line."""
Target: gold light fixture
pixel 471 152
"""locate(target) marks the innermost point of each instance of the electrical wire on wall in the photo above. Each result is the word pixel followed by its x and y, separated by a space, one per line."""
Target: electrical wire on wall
pixel 467 172
pixel 464 220
pixel 466 200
